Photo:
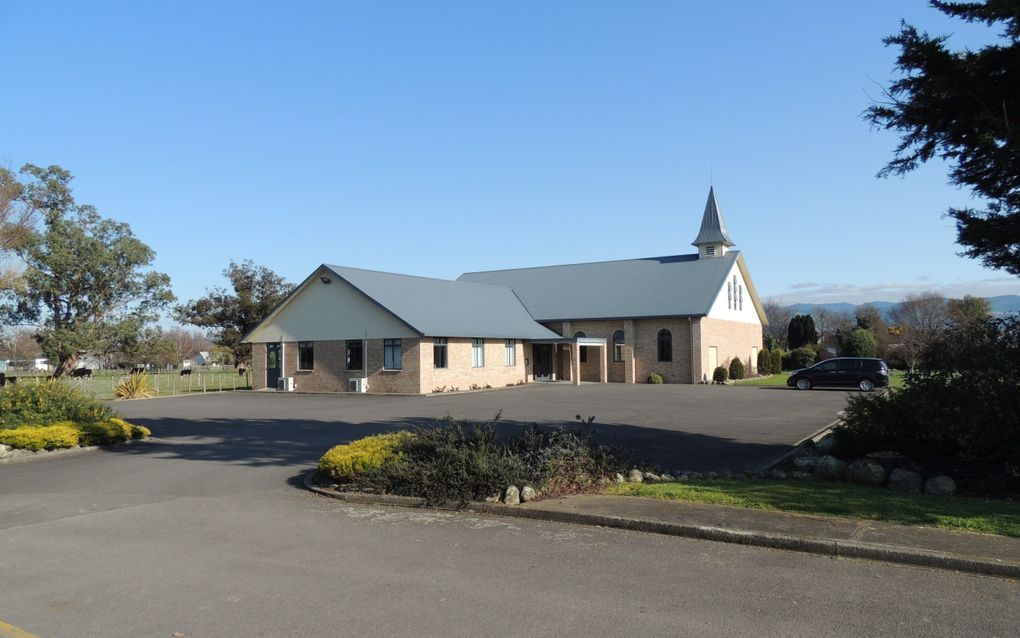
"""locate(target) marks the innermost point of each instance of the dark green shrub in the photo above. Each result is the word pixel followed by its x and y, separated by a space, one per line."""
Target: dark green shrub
pixel 764 363
pixel 564 461
pixel 959 410
pixel 860 343
pixel 736 368
pixel 49 402
pixel 655 377
pixel 799 358
pixel 801 332
pixel 719 375
pixel 776 357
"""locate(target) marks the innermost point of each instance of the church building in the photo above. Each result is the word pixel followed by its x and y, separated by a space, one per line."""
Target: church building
pixel 352 330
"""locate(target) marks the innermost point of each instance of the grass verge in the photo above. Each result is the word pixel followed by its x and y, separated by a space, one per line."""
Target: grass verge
pixel 895 380
pixel 841 499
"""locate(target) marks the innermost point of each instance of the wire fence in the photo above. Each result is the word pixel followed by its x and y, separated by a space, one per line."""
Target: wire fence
pixel 103 384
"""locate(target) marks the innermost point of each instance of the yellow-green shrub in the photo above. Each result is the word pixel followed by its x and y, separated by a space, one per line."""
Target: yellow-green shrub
pixel 140 432
pixel 105 432
pixel 47 437
pixel 344 462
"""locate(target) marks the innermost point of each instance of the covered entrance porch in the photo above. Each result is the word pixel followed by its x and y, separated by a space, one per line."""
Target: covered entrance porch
pixel 574 360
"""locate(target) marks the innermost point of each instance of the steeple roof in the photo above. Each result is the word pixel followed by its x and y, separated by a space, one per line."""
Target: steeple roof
pixel 713 228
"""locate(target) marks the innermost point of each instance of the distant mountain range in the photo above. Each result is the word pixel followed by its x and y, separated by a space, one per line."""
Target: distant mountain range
pixel 1000 305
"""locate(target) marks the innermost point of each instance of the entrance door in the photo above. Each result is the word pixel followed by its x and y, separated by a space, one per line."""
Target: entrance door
pixel 273 364
pixel 543 361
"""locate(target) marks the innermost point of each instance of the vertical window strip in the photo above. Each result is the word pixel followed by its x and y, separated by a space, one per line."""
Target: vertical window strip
pixel 478 353
pixel 511 352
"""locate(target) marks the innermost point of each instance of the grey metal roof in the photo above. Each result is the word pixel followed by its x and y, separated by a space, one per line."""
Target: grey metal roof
pixel 713 228
pixel 444 308
pixel 680 285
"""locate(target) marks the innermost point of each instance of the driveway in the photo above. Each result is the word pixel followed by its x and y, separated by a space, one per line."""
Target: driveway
pixel 678 426
pixel 206 532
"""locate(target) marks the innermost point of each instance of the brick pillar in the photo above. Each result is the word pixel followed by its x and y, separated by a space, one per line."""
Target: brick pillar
pixel 575 363
pixel 604 364
pixel 629 336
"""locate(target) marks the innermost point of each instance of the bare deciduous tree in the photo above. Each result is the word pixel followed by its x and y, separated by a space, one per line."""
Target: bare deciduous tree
pixel 920 318
pixel 779 319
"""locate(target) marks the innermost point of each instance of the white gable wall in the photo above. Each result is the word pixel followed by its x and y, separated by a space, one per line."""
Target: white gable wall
pixel 733 313
pixel 325 312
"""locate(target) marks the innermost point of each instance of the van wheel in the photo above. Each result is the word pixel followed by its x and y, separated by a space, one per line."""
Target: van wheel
pixel 803 384
pixel 866 385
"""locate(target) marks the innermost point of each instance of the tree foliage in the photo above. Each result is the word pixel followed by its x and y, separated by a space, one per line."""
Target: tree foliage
pixel 86 284
pixel 963 107
pixel 231 314
pixel 801 332
pixel 968 310
pixel 860 343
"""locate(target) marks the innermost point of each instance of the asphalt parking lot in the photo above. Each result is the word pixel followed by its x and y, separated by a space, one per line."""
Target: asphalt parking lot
pixel 679 426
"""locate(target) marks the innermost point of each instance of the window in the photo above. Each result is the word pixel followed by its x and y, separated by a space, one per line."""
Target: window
pixel 584 351
pixel 618 346
pixel 392 356
pixel 439 352
pixel 710 251
pixel 741 290
pixel 511 352
pixel 729 295
pixel 827 366
pixel 478 353
pixel 305 355
pixel 665 343
pixel 355 354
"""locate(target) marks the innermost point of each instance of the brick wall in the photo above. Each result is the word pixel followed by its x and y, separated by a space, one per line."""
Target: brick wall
pixel 330 372
pixel 647 350
pixel 733 338
pixel 460 374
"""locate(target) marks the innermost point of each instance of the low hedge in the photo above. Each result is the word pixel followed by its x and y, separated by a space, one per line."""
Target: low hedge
pixel 655 378
pixel 344 463
pixel 66 434
pixel 46 437
pixel 48 403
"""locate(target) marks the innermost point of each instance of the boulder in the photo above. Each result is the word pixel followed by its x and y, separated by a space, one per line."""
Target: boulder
pixel 618 478
pixel 4 450
pixel 901 480
pixel 635 476
pixel 830 468
pixel 528 493
pixel 667 478
pixel 512 496
pixel 695 476
pixel 805 463
pixel 940 486
pixel 826 444
pixel 651 477
pixel 800 476
pixel 778 475
pixel 711 475
pixel 492 499
pixel 865 472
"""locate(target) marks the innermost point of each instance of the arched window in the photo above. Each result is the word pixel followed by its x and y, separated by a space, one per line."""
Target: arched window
pixel 618 346
pixel 584 351
pixel 665 341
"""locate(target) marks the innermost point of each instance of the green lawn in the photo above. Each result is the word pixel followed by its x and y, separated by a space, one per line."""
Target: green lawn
pixel 841 499
pixel 101 384
pixel 895 380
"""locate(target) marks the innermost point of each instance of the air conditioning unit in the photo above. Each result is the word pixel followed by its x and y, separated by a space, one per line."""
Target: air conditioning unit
pixel 357 385
pixel 285 384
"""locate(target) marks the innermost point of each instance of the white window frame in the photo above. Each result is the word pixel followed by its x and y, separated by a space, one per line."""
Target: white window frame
pixel 478 353
pixel 511 353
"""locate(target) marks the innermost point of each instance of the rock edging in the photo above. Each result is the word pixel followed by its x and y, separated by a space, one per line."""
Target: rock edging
pixel 822 546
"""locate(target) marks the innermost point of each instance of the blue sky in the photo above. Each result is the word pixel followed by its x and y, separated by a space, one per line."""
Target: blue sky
pixel 435 138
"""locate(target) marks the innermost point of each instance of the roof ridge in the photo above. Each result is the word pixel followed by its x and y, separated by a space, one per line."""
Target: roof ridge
pixel 405 275
pixel 693 257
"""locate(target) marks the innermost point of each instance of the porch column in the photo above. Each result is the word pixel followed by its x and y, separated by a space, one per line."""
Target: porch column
pixel 603 364
pixel 629 343
pixel 575 363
